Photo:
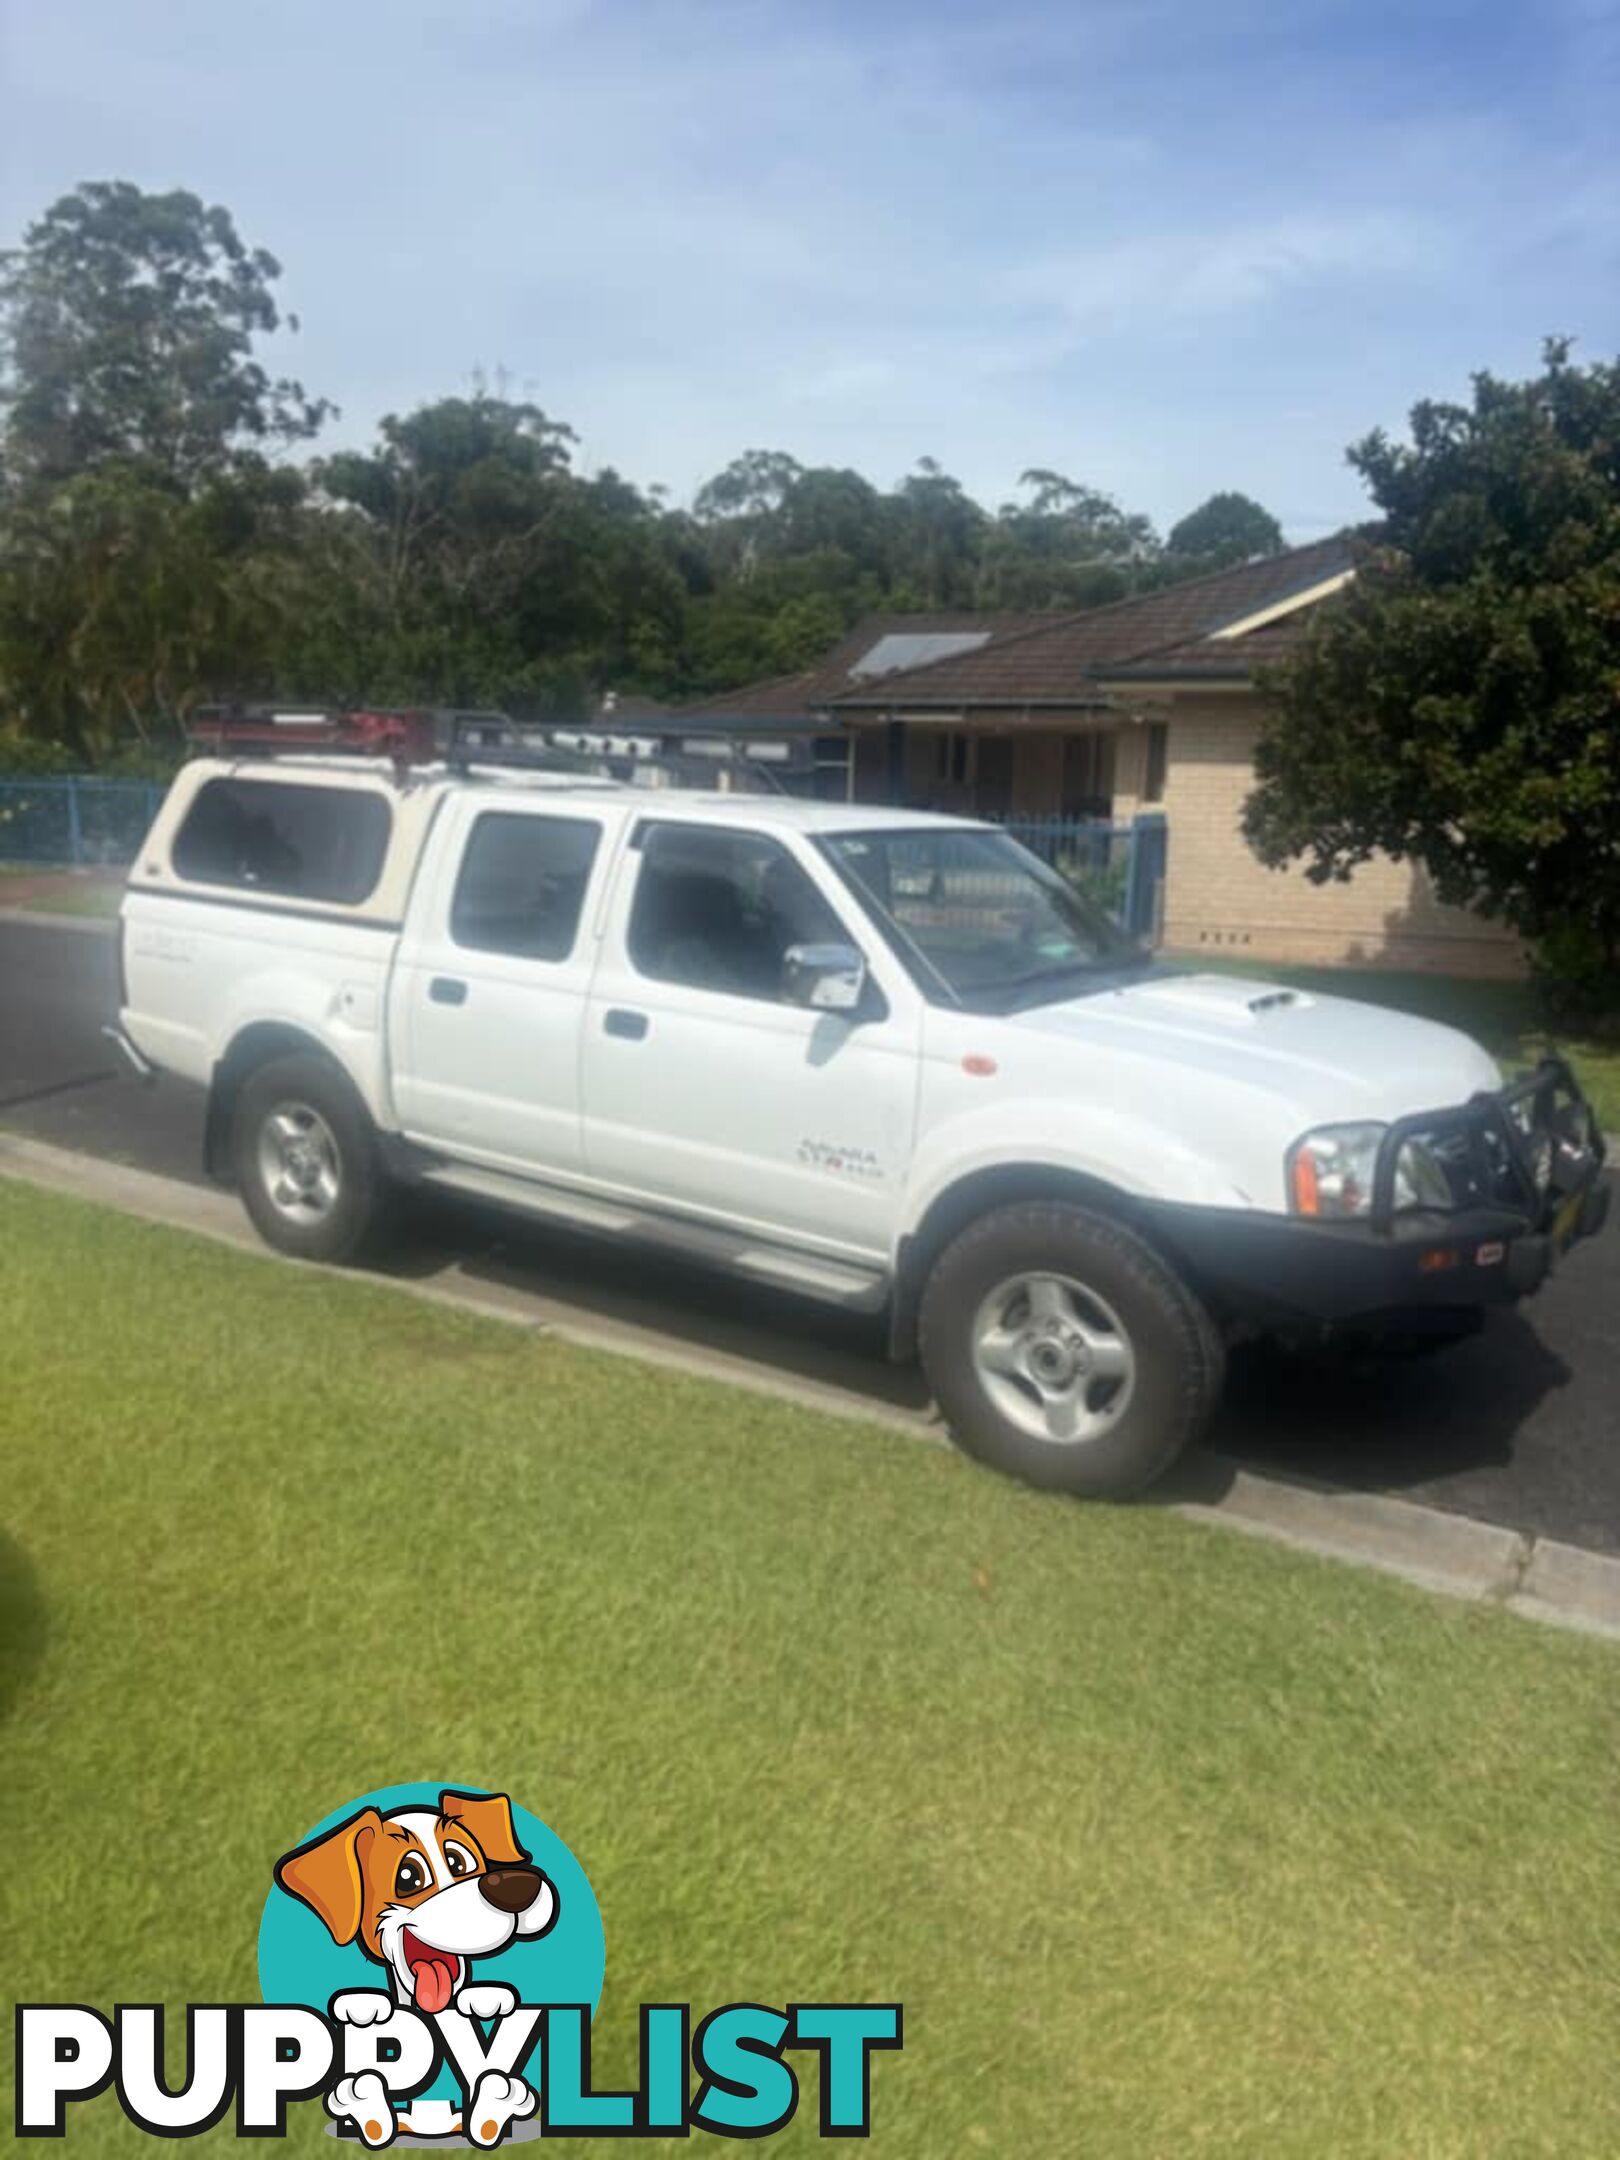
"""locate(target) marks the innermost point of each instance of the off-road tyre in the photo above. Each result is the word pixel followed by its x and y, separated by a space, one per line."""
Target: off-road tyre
pixel 308 1092
pixel 1178 1357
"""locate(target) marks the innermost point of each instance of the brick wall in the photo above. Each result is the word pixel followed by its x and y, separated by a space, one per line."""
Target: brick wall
pixel 1218 898
pixel 1130 772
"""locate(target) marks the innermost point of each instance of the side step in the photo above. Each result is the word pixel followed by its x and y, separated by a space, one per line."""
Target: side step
pixel 830 1282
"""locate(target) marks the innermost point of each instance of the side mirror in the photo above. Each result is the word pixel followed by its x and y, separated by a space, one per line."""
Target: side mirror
pixel 827 978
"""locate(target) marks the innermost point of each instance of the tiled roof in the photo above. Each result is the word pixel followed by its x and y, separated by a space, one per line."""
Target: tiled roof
pixel 1172 632
pixel 814 688
pixel 1215 659
pixel 1055 659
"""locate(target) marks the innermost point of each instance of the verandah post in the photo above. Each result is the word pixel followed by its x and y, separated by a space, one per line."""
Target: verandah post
pixel 1131 910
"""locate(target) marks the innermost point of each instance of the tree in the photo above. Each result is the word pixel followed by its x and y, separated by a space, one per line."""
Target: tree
pixel 471 565
pixel 1229 528
pixel 122 603
pixel 753 486
pixel 937 531
pixel 1461 704
pixel 740 508
pixel 1080 524
pixel 450 485
pixel 835 508
pixel 1069 546
pixel 127 327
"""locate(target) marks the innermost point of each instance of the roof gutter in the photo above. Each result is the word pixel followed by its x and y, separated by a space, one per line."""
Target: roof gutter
pixel 955 708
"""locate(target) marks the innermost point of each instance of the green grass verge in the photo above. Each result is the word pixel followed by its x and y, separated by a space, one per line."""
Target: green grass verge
pixel 95 893
pixel 1170 1843
pixel 101 901
pixel 1501 1015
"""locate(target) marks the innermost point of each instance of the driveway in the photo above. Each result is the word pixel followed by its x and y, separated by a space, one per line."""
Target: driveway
pixel 1521 1427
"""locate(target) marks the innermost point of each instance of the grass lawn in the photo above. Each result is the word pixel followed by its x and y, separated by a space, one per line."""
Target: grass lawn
pixel 102 901
pixel 1170 1843
pixel 69 893
pixel 1501 1015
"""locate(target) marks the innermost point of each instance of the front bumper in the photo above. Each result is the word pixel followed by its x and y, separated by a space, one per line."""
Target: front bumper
pixel 1526 1170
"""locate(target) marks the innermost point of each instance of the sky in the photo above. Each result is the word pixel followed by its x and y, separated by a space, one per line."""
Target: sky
pixel 1163 246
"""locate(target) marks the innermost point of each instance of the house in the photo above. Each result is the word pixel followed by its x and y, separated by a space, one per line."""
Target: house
pixel 803 708
pixel 1148 705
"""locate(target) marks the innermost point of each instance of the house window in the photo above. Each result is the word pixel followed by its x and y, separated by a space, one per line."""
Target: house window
pixel 955 763
pixel 1087 787
pixel 1158 761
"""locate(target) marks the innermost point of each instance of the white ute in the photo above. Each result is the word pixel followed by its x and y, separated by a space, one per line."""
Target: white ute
pixel 885 1059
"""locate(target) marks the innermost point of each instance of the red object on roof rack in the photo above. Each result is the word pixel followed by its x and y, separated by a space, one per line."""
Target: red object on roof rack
pixel 463 740
pixel 407 737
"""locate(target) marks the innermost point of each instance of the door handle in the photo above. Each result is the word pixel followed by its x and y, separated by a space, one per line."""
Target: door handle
pixel 632 1026
pixel 447 990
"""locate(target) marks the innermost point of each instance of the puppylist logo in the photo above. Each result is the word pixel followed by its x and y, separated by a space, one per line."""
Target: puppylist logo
pixel 430 1960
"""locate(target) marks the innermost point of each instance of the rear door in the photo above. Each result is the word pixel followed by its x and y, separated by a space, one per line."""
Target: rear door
pixel 488 995
pixel 704 1088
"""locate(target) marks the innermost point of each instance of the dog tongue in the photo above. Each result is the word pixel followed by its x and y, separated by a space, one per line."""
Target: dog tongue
pixel 434 1977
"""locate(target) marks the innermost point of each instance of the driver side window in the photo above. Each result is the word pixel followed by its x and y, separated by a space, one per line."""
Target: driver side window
pixel 719 910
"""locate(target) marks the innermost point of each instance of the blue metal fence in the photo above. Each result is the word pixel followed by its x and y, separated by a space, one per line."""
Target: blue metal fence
pixel 1121 866
pixel 75 821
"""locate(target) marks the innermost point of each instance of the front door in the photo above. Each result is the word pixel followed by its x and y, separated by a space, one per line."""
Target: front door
pixel 704 1088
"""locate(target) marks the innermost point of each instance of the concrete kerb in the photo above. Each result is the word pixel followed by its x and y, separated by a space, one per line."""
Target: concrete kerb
pixel 1535 1577
pixel 1445 1552
pixel 1570 1586
pixel 211 1212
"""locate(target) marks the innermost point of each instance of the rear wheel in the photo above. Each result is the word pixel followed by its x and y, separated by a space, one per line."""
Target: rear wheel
pixel 306 1159
pixel 1063 1350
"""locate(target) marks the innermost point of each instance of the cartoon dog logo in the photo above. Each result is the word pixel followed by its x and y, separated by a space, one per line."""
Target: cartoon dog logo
pixel 423 1892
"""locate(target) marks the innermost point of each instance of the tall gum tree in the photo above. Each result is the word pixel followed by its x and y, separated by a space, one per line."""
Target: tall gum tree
pixel 127 329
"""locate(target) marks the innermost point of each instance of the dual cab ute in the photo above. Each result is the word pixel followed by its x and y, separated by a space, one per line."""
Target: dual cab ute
pixel 883 1059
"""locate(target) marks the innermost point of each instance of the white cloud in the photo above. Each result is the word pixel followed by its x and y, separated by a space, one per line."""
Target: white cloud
pixel 1155 277
pixel 837 380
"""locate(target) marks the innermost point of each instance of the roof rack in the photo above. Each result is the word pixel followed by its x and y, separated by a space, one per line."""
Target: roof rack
pixel 408 738
pixel 461 739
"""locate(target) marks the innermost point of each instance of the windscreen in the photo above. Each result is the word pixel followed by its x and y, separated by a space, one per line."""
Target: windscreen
pixel 976 917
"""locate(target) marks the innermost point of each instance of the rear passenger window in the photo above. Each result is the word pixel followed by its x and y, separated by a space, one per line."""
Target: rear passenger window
pixel 522 884
pixel 274 836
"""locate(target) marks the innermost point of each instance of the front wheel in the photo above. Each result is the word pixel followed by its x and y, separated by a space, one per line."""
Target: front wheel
pixel 1063 1350
pixel 306 1160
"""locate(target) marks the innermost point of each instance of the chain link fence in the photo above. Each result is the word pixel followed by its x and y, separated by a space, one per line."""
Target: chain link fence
pixel 75 821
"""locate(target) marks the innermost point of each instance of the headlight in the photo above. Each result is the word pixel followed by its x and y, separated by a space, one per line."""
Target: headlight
pixel 1420 1178
pixel 1330 1173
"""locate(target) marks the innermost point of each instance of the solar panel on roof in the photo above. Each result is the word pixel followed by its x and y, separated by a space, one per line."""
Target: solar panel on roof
pixel 915 648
